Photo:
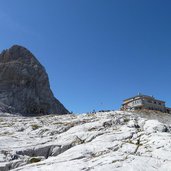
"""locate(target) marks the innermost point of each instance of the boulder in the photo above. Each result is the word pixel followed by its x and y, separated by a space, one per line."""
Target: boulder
pixel 24 85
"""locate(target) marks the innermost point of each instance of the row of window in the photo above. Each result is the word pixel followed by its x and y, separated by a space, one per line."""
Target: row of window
pixel 149 101
pixel 136 102
pixel 155 102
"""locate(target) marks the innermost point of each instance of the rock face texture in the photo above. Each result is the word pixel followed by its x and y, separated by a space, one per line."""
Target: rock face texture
pixel 24 85
pixel 110 141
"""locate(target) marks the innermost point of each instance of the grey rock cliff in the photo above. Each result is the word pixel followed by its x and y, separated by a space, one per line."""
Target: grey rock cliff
pixel 24 84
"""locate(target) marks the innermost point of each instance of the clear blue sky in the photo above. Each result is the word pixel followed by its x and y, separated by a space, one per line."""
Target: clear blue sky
pixel 96 52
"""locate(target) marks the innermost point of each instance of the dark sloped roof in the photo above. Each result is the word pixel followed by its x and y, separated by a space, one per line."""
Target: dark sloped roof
pixel 145 96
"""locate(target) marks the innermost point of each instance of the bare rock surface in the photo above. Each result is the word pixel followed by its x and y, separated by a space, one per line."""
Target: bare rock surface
pixel 110 141
pixel 24 84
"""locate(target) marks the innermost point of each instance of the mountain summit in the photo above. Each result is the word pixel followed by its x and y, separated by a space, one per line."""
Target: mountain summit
pixel 24 84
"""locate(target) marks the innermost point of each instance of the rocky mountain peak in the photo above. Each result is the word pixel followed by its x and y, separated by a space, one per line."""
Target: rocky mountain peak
pixel 18 53
pixel 24 84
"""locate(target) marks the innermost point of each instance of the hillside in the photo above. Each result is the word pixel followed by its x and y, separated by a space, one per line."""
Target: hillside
pixel 114 141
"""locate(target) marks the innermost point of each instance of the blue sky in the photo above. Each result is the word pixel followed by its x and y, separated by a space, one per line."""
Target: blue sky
pixel 96 52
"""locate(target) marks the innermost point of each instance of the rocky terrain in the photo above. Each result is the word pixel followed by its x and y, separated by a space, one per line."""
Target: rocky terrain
pixel 24 85
pixel 110 141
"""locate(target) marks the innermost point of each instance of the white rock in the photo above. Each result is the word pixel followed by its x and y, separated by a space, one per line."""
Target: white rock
pixel 119 141
pixel 151 126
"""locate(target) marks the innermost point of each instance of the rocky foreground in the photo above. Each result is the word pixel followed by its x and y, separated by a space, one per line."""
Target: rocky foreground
pixel 110 141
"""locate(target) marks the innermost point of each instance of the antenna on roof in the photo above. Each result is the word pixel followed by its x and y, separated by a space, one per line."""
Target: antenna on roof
pixel 139 94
